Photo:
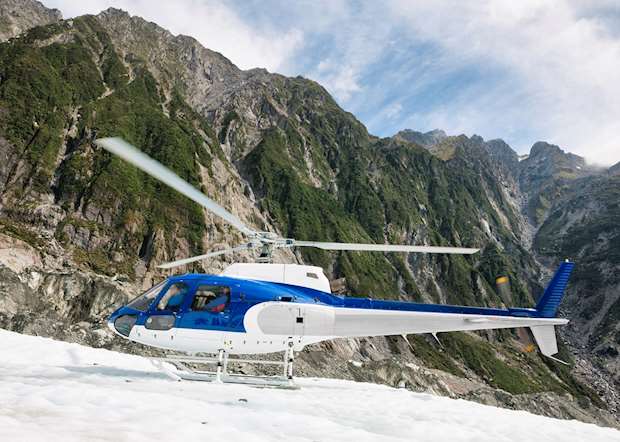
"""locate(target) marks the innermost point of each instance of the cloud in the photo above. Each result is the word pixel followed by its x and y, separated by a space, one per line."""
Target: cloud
pixel 349 40
pixel 212 22
pixel 562 68
pixel 524 71
pixel 393 110
pixel 341 80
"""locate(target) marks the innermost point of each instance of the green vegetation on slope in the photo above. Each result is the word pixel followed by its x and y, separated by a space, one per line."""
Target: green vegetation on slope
pixel 44 86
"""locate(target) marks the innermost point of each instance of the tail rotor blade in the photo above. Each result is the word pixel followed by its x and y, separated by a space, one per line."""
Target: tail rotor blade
pixel 385 247
pixel 180 262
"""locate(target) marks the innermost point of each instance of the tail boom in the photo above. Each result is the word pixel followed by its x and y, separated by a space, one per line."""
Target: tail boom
pixel 274 318
pixel 358 317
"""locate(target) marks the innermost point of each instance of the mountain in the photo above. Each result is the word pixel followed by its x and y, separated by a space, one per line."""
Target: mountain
pixel 571 211
pixel 113 396
pixel 584 225
pixel 82 231
pixel 17 16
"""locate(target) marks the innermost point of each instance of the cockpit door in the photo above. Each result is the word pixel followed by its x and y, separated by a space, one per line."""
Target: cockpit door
pixel 209 308
pixel 206 320
pixel 163 318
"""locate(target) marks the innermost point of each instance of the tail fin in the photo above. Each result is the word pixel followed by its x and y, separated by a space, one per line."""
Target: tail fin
pixel 549 302
pixel 547 307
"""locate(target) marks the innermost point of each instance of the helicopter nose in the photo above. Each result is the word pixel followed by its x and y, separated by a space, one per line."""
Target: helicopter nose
pixel 122 323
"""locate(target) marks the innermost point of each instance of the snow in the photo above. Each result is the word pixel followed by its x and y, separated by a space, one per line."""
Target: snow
pixel 58 391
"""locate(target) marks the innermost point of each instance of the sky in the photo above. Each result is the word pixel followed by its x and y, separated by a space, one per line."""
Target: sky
pixel 522 71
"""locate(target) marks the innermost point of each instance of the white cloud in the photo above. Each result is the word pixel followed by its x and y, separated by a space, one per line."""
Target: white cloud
pixel 547 70
pixel 393 110
pixel 564 67
pixel 353 39
pixel 212 22
pixel 341 80
pixel 541 69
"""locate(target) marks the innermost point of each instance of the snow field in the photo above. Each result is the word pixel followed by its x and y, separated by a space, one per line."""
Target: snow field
pixel 57 391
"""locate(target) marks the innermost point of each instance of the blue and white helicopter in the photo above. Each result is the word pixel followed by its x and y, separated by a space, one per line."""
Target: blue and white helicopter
pixel 262 307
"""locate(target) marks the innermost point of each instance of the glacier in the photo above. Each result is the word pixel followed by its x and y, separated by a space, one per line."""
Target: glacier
pixel 59 391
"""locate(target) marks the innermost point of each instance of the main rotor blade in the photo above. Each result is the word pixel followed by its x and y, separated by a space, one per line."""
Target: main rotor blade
pixel 384 247
pixel 129 153
pixel 180 262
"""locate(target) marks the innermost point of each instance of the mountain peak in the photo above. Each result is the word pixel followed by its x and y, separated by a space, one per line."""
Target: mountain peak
pixel 555 157
pixel 542 147
pixel 17 16
pixel 424 139
pixel 502 151
pixel 437 133
pixel 115 11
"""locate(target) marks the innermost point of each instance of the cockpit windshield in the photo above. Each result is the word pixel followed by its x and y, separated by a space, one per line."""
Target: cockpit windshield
pixel 143 301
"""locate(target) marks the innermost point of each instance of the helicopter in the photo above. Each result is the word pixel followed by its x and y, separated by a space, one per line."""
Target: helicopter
pixel 265 307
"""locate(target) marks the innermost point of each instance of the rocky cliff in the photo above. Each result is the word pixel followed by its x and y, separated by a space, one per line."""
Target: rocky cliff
pixel 81 231
pixel 584 224
pixel 570 210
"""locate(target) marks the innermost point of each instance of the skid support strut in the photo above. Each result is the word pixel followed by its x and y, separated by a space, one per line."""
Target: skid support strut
pixel 220 365
pixel 185 369
pixel 289 359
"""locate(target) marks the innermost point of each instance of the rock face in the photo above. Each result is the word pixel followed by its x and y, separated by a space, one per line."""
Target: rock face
pixel 584 225
pixel 17 16
pixel 544 175
pixel 84 230
pixel 571 210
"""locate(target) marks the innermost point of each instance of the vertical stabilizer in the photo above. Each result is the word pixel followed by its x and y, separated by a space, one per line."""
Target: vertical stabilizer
pixel 550 300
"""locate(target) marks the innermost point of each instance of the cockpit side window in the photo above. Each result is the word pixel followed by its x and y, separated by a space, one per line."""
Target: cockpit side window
pixel 143 301
pixel 211 298
pixel 173 298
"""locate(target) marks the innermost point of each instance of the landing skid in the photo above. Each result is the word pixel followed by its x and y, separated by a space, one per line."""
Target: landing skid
pixel 183 371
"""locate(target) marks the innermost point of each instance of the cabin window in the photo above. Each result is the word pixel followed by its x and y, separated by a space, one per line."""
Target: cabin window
pixel 211 298
pixel 143 301
pixel 312 275
pixel 173 298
